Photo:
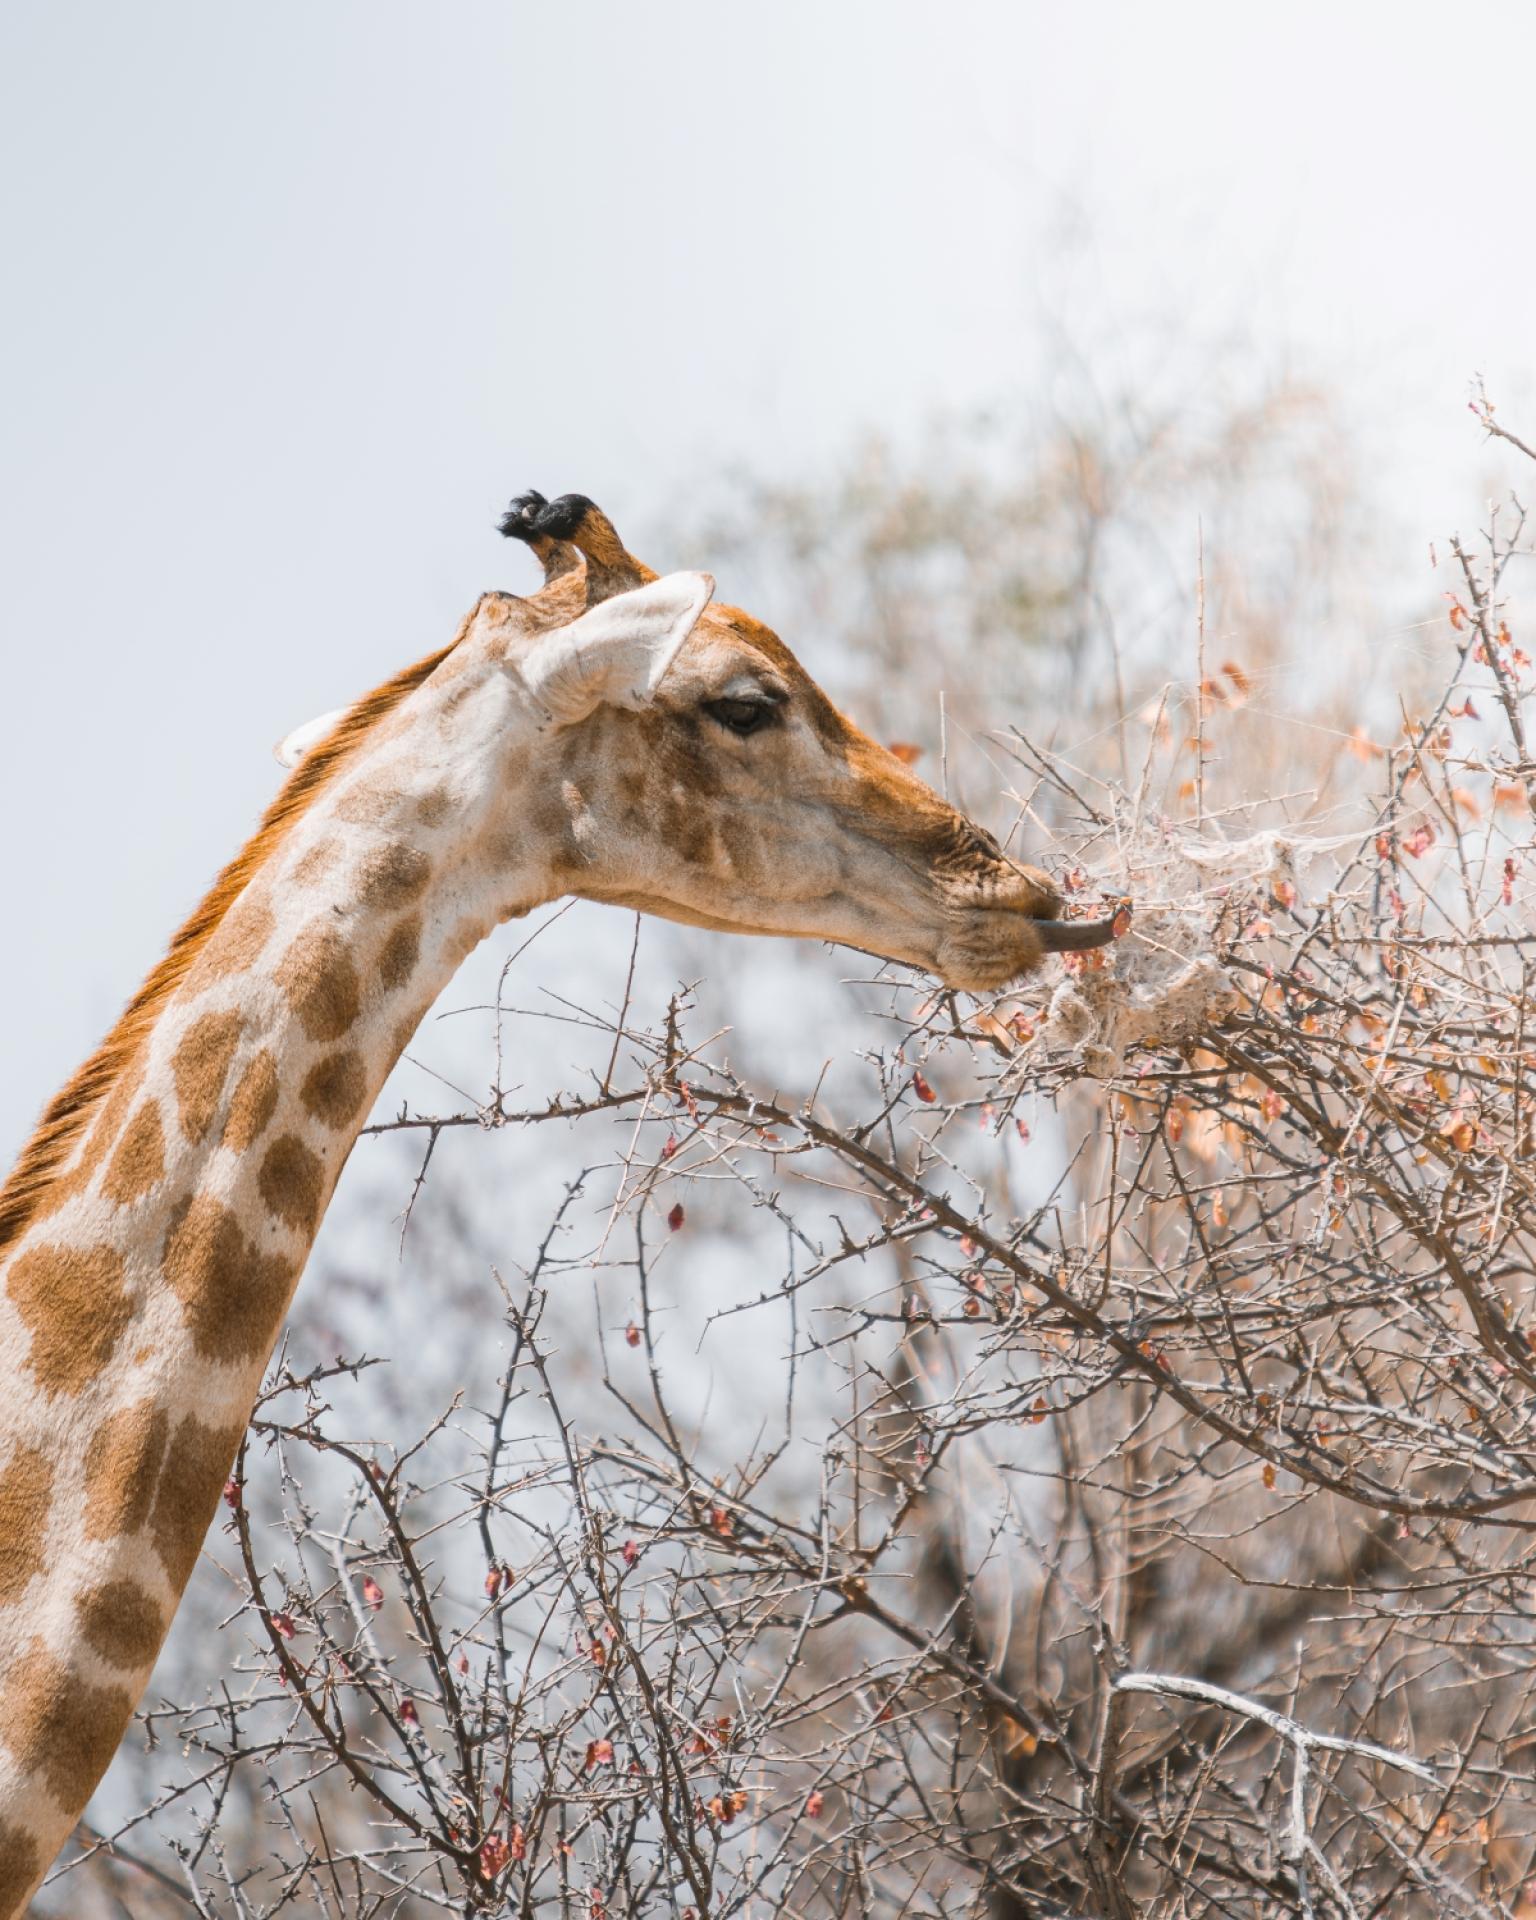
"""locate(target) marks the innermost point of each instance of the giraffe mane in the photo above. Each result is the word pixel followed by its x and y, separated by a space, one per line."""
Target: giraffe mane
pixel 46 1156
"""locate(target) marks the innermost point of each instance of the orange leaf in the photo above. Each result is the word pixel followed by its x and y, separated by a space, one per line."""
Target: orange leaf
pixel 993 1028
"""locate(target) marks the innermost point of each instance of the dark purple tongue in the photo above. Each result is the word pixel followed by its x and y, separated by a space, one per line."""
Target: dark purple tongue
pixel 1074 936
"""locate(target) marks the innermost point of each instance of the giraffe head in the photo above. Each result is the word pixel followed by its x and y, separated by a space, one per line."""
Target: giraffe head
pixel 682 762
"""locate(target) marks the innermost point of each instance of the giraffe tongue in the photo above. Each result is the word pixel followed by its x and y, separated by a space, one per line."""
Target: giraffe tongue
pixel 1074 936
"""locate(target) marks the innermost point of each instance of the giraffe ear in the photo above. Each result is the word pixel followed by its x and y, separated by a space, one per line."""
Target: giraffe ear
pixel 291 749
pixel 617 652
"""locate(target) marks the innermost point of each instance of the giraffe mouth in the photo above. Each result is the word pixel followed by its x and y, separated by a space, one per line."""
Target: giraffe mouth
pixel 986 948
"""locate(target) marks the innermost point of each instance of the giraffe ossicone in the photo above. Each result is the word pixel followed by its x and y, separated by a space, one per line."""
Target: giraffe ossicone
pixel 614 735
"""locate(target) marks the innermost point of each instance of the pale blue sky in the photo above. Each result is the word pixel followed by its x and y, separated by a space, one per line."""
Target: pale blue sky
pixel 297 295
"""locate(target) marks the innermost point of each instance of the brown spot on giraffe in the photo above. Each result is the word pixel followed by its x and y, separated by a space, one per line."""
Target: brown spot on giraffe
pixel 315 862
pixel 391 877
pixel 20 1864
pixel 200 1067
pixel 59 1726
pixel 320 979
pixel 122 1622
pixel 121 1467
pixel 434 807
pixel 105 1130
pixel 401 950
pixel 552 822
pixel 232 1295
pixel 76 1308
pixel 139 1162
pixel 187 1497
pixel 292 1180
pixel 114 1111
pixel 465 937
pixel 26 1488
pixel 244 932
pixel 253 1104
pixel 369 801
pixel 335 1087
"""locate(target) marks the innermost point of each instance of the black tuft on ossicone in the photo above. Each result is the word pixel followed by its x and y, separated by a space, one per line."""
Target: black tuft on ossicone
pixel 532 517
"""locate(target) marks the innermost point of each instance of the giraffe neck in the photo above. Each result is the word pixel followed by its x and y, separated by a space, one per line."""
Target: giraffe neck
pixel 138 1310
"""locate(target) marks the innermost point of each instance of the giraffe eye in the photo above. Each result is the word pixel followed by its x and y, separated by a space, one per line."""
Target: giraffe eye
pixel 741 716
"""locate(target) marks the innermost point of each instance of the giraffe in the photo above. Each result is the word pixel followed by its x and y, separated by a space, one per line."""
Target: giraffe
pixel 612 735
